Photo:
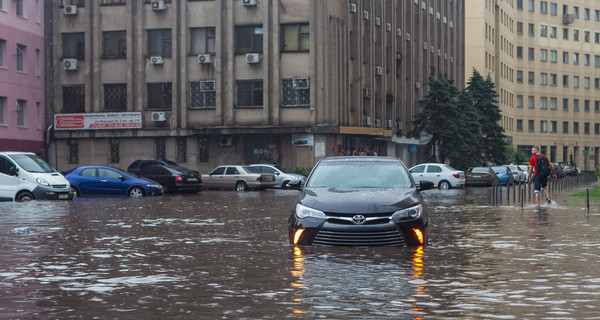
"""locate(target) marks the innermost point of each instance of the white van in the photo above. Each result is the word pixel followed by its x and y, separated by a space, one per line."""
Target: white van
pixel 25 176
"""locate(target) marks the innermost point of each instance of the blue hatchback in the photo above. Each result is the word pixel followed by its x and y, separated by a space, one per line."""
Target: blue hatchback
pixel 504 174
pixel 101 180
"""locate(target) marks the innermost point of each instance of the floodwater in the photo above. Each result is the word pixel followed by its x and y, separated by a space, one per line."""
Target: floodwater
pixel 225 255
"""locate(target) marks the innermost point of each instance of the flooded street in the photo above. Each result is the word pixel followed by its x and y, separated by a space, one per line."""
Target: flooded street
pixel 225 255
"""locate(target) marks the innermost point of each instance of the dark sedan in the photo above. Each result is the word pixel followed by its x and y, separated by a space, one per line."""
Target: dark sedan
pixel 359 201
pixel 481 177
pixel 173 178
pixel 101 180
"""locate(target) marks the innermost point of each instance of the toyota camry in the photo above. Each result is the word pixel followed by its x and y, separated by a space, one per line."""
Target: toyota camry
pixel 359 201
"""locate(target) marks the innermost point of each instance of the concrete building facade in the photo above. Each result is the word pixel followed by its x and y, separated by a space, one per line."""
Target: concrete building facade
pixel 205 83
pixel 22 74
pixel 544 57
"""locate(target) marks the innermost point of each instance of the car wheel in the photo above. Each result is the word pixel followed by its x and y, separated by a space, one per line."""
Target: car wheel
pixel 284 184
pixel 136 192
pixel 76 192
pixel 25 196
pixel 241 186
pixel 444 185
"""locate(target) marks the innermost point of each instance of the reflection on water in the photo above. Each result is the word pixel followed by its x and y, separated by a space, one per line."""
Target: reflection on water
pixel 225 255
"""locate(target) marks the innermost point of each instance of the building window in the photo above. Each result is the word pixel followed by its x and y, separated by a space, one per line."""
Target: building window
pixel 565 127
pixel 21 57
pixel 295 37
pixel 3 107
pixel 544 7
pixel 565 57
pixel 597 83
pixel 586 82
pixel 2 48
pixel 553 79
pixel 249 93
pixel 553 56
pixel 565 104
pixel 575 81
pixel 531 29
pixel 20 9
pixel 295 92
pixel 159 96
pixel 531 6
pixel 115 44
pixel 586 105
pixel 565 34
pixel 543 55
pixel 553 126
pixel 113 150
pixel 519 52
pixel 519 76
pixel 596 106
pixel 73 155
pixel 543 103
pixel 181 145
pixel 553 103
pixel 543 31
pixel 597 61
pixel 519 125
pixel 73 45
pixel 160 147
pixel 565 81
pixel 115 97
pixel 531 77
pixel 553 31
pixel 202 150
pixel 576 105
pixel 531 102
pixel 203 94
pixel 159 42
pixel 74 99
pixel 531 126
pixel 543 79
pixel 586 36
pixel 150 1
pixel 519 28
pixel 79 3
pixel 519 101
pixel 586 128
pixel 531 54
pixel 543 126
pixel 576 127
pixel 575 35
pixel 249 39
pixel 586 60
pixel 597 128
pixel 113 2
pixel 519 4
pixel 203 40
pixel 576 12
pixel 21 104
pixel 553 8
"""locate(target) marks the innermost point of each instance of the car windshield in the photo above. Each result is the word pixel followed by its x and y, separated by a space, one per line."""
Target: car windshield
pixel 169 162
pixel 499 170
pixel 359 174
pixel 480 170
pixel 32 163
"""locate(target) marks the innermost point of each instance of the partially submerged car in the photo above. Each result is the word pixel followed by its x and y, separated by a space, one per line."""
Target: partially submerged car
pixel 240 178
pixel 359 201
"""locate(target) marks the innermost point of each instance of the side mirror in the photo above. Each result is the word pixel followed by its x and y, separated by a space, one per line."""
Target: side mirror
pixel 425 185
pixel 12 171
pixel 295 184
pixel 122 178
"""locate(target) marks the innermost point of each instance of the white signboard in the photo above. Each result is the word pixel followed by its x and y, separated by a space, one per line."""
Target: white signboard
pixel 98 121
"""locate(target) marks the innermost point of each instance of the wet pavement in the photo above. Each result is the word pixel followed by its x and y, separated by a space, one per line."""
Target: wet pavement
pixel 225 255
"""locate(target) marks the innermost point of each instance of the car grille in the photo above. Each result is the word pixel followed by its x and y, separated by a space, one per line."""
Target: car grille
pixel 357 238
pixel 59 186
pixel 346 218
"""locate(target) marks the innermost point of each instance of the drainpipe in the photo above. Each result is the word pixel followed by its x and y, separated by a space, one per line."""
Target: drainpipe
pixel 51 57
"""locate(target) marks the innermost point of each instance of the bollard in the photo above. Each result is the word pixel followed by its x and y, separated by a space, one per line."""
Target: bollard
pixel 500 187
pixel 587 200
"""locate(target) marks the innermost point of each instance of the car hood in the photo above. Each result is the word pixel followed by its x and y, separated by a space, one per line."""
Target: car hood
pixel 146 180
pixel 368 200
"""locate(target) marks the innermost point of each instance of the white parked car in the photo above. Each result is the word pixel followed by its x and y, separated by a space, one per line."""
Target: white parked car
pixel 281 178
pixel 442 175
pixel 518 173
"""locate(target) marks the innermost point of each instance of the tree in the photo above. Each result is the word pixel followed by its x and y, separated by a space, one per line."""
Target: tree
pixel 468 153
pixel 513 155
pixel 485 102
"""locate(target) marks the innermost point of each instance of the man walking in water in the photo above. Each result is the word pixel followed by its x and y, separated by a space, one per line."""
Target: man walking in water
pixel 542 167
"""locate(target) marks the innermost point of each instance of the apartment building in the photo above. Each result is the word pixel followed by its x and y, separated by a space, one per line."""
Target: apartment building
pixel 544 57
pixel 22 88
pixel 208 82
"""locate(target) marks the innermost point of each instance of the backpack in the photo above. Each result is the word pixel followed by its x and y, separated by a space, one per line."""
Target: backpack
pixel 542 166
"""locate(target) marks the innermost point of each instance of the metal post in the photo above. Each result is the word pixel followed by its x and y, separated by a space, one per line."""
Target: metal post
pixel 587 200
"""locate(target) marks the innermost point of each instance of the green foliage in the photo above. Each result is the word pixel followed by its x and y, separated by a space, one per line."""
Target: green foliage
pixel 597 173
pixel 512 155
pixel 302 171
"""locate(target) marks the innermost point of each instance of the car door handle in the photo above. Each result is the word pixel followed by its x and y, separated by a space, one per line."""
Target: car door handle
pixel 102 180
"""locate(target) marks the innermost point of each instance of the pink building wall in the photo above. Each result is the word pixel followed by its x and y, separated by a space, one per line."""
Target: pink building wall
pixel 28 85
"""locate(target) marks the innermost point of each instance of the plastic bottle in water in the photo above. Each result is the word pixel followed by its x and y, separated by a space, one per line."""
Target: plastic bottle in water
pixel 21 230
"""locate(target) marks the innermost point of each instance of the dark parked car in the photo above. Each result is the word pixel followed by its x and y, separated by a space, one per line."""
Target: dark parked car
pixel 481 177
pixel 173 178
pixel 568 169
pixel 140 164
pixel 359 201
pixel 110 181
pixel 559 170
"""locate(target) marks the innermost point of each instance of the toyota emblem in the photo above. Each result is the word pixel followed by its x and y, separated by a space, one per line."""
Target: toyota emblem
pixel 359 219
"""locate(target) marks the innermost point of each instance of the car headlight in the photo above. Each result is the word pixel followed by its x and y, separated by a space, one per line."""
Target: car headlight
pixel 42 182
pixel 412 212
pixel 153 186
pixel 306 212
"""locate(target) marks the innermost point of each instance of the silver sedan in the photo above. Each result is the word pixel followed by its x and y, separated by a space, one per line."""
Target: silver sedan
pixel 237 177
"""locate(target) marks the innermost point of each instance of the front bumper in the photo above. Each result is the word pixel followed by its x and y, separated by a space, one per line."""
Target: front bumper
pixel 47 193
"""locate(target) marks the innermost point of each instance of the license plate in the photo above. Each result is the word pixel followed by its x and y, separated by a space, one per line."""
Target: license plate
pixel 63 196
pixel 192 179
pixel 476 176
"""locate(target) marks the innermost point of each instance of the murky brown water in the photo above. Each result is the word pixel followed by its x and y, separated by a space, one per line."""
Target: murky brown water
pixel 225 255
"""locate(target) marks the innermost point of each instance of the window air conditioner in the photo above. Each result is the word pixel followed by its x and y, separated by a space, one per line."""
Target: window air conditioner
pixel 377 123
pixel 388 27
pixel 249 3
pixel 377 21
pixel 367 121
pixel 158 5
pixel 399 126
pixel 225 141
pixel 70 64
pixel 378 71
pixel 158 116
pixel 366 92
pixel 300 83
pixel 388 123
pixel 353 8
pixel 156 60
pixel 417 85
pixel 252 57
pixel 207 86
pixel 204 58
pixel 398 32
pixel 70 10
pixel 365 15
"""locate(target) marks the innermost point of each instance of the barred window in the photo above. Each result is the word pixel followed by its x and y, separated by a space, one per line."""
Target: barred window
pixel 113 145
pixel 249 93
pixel 115 97
pixel 295 92
pixel 73 45
pixel 181 144
pixel 115 44
pixel 112 2
pixel 79 3
pixel 159 95
pixel 202 149
pixel 296 37
pixel 74 99
pixel 203 40
pixel 249 39
pixel 73 154
pixel 159 42
pixel 160 145
pixel 203 94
